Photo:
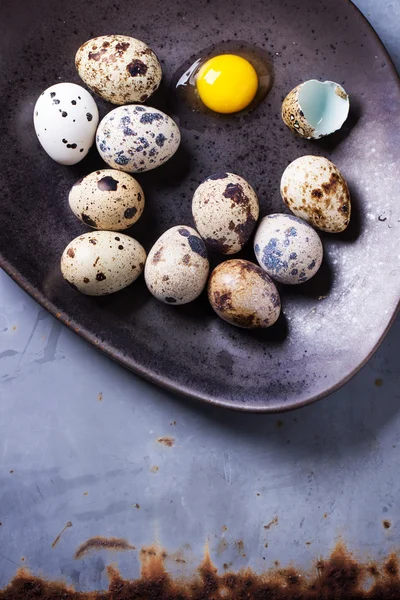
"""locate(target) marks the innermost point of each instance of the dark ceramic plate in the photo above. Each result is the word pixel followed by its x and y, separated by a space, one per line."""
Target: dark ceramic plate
pixel 329 326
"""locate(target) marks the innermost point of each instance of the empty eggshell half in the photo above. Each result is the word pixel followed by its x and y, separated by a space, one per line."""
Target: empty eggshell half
pixel 315 108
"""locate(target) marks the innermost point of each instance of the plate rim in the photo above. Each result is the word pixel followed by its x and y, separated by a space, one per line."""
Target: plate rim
pixel 163 381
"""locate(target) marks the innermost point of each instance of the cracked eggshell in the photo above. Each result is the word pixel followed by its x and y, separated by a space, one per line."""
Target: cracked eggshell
pixel 65 120
pixel 177 267
pixel 288 249
pixel 242 294
pixel 225 210
pixel 102 262
pixel 119 68
pixel 107 199
pixel 137 138
pixel 314 189
pixel 315 109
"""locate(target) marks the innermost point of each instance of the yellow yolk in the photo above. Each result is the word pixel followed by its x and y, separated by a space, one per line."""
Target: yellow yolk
pixel 227 83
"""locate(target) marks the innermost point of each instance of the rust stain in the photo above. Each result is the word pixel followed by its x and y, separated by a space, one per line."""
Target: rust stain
pixel 66 526
pixel 239 546
pixel 14 327
pixel 271 523
pixel 222 546
pixel 154 469
pixel 386 524
pixel 136 505
pixel 102 543
pixel 173 423
pixel 279 424
pixel 85 493
pixel 325 515
pixel 224 528
pixel 166 441
pixel 379 382
pixel 337 577
pixel 100 397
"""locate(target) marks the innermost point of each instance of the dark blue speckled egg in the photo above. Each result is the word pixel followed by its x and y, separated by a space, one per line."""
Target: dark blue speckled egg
pixel 288 249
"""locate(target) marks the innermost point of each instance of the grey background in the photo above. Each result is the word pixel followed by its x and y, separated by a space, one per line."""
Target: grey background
pixel 78 442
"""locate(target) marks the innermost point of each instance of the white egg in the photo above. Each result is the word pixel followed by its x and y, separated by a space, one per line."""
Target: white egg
pixel 314 189
pixel 288 249
pixel 107 199
pixel 119 68
pixel 137 138
pixel 177 266
pixel 102 262
pixel 65 119
pixel 316 108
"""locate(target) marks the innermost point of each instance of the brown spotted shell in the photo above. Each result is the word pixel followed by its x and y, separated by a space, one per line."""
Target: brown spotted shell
pixel 102 262
pixel 119 68
pixel 314 189
pixel 107 199
pixel 244 295
pixel 293 116
pixel 177 267
pixel 225 210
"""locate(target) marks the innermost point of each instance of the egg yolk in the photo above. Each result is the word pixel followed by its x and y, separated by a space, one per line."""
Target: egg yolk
pixel 227 83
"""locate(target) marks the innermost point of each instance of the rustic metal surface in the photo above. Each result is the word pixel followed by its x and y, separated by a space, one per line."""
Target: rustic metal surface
pixel 330 325
pixel 88 448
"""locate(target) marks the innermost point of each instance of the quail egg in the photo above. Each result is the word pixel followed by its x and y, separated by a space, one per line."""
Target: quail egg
pixel 315 108
pixel 137 138
pixel 65 119
pixel 314 189
pixel 107 199
pixel 288 249
pixel 102 262
pixel 177 267
pixel 225 210
pixel 120 69
pixel 242 294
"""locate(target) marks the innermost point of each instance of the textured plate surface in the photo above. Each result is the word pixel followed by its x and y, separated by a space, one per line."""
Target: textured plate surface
pixel 331 325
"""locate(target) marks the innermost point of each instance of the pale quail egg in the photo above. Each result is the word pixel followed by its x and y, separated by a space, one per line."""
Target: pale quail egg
pixel 102 262
pixel 314 189
pixel 225 210
pixel 119 68
pixel 137 138
pixel 65 119
pixel 177 266
pixel 287 248
pixel 107 199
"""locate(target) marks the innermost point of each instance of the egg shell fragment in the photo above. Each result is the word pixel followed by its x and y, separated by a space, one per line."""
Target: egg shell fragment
pixel 225 210
pixel 137 138
pixel 288 249
pixel 102 262
pixel 107 199
pixel 242 294
pixel 177 267
pixel 314 189
pixel 119 68
pixel 315 109
pixel 65 118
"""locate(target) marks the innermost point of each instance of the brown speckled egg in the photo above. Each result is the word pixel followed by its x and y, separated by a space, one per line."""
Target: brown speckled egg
pixel 177 266
pixel 315 108
pixel 314 189
pixel 225 210
pixel 119 68
pixel 244 295
pixel 102 262
pixel 107 199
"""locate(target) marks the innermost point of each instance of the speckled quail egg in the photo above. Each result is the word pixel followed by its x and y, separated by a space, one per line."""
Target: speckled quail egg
pixel 314 189
pixel 244 295
pixel 288 249
pixel 177 267
pixel 65 119
pixel 137 138
pixel 102 262
pixel 315 108
pixel 119 68
pixel 107 199
pixel 225 210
